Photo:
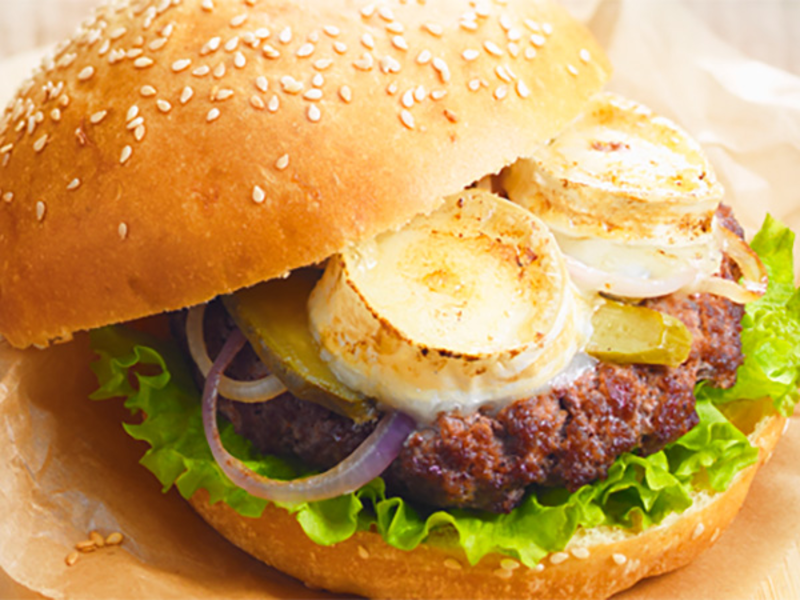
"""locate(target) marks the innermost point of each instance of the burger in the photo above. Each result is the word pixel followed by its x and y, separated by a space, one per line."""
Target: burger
pixel 426 299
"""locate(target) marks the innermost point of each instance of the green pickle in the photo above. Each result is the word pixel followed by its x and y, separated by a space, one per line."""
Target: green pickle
pixel 628 334
pixel 274 318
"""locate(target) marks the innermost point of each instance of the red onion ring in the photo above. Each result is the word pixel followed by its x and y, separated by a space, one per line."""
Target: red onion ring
pixel 368 461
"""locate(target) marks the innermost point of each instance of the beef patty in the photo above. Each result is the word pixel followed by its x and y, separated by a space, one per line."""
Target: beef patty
pixel 485 460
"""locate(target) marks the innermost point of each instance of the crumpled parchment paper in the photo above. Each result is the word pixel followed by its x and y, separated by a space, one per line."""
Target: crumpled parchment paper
pixel 68 468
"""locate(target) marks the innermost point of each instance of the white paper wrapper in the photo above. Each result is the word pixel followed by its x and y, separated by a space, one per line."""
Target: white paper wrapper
pixel 68 468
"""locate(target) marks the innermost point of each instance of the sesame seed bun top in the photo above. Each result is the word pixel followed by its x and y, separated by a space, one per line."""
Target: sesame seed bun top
pixel 176 150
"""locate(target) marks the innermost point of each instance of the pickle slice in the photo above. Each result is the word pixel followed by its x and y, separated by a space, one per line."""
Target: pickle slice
pixel 627 334
pixel 273 317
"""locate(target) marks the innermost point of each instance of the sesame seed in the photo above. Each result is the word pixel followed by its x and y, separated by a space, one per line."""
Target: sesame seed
pixel 505 22
pixel 269 51
pixel 41 209
pixel 167 30
pixel 424 57
pixel 585 56
pixel 290 85
pixel 558 557
pixel 55 114
pixel 274 104
pixel 97 539
pixel 538 40
pixel 715 535
pixel 522 89
pixel 186 94
pixel 72 558
pixel 492 48
pixel 8 197
pixel 501 92
pixel 364 63
pixel 420 93
pixel 134 52
pixel 390 65
pixel 363 553
pixel 442 68
pixel 532 25
pixel 163 106
pixel 133 112
pixel 483 11
pixel 115 538
pixel 434 29
pixel 547 28
pixel 122 231
pixel 503 74
pixel 698 531
pixel 74 184
pixel 125 155
pixel 399 42
pixel 407 118
pixel 502 573
pixel 138 133
pixel 530 53
pixel 39 144
pixel 207 5
pixel 619 559
pixel 98 116
pixel 469 25
pixel 212 115
pixel 368 41
pixel 232 44
pixel 340 47
pixel 438 94
pixel 581 553
pixel 514 35
pixel 143 62
pixel 509 564
pixel 408 99
pixel 450 116
pixel 135 123
pixel 331 30
pixel 157 44
pixel 323 64
pixel 6 149
pixel 474 85
pixel 305 50
pixel 395 27
pixel 368 11
pixel 239 61
pixel 385 13
pixel 262 33
pixel 258 195
pixel 391 89
pixel 219 71
pixel 86 74
pixel 345 94
pixel 180 65
pixel 539 568
pixel 117 33
pixel 239 20
pixel 470 55
pixel 285 36
pixel 257 102
pixel 313 95
pixel 282 162
pixel 452 564
pixel 201 71
pixel 572 70
pixel 314 113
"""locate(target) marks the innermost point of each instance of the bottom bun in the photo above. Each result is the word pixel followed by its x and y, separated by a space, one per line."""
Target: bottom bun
pixel 596 564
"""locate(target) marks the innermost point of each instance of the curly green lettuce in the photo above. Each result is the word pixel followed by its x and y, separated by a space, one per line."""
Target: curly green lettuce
pixel 638 492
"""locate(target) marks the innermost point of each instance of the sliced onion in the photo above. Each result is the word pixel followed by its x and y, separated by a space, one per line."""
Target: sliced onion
pixel 259 390
pixel 625 286
pixel 754 275
pixel 368 461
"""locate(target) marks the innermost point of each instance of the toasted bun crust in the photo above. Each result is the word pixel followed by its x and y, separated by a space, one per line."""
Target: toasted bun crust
pixel 597 564
pixel 175 151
